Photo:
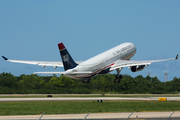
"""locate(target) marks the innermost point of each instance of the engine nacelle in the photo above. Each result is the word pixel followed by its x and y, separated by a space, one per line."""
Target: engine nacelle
pixel 137 68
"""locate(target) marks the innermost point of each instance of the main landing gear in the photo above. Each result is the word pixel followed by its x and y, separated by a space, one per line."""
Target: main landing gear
pixel 86 80
pixel 118 77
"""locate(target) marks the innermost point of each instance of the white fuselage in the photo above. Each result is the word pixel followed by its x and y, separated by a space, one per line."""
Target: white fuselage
pixel 102 63
pixel 114 59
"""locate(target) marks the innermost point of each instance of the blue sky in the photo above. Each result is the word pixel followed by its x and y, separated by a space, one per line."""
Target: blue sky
pixel 31 30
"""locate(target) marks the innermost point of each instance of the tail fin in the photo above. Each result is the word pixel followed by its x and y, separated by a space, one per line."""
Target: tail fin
pixel 67 60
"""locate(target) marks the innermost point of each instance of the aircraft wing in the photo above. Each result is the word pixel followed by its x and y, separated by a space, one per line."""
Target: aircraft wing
pixel 40 63
pixel 119 64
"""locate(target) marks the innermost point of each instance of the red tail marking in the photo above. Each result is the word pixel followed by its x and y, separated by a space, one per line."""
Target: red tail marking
pixel 61 46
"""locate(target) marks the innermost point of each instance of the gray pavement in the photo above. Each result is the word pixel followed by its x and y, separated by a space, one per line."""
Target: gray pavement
pixel 95 116
pixel 102 116
pixel 88 99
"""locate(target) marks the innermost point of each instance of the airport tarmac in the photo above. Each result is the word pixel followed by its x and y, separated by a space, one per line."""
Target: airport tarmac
pixel 89 99
pixel 125 115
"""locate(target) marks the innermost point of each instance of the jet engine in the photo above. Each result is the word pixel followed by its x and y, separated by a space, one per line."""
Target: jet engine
pixel 137 68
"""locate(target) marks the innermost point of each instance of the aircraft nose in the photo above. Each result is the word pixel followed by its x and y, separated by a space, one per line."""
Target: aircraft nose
pixel 133 45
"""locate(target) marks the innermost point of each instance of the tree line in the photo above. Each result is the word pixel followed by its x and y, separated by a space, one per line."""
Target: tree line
pixel 101 84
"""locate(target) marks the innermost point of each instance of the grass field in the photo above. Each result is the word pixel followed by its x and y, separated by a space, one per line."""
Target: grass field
pixel 73 107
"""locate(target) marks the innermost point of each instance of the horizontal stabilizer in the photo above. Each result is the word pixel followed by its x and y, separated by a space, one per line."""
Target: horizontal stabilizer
pixel 82 72
pixel 65 73
pixel 49 73
pixel 77 72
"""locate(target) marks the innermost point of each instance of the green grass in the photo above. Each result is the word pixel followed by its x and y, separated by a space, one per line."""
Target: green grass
pixel 74 107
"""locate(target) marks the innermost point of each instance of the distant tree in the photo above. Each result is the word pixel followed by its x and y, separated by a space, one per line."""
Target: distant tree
pixel 8 82
pixel 26 84
pixel 173 86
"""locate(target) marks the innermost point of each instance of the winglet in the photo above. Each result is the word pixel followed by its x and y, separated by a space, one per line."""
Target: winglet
pixel 176 57
pixel 5 58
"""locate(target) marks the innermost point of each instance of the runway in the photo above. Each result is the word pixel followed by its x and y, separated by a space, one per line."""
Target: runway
pixel 94 116
pixel 89 99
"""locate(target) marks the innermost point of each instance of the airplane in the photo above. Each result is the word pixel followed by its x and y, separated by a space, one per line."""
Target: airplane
pixel 114 59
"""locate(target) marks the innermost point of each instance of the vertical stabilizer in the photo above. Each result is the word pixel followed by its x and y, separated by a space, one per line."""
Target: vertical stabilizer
pixel 67 60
